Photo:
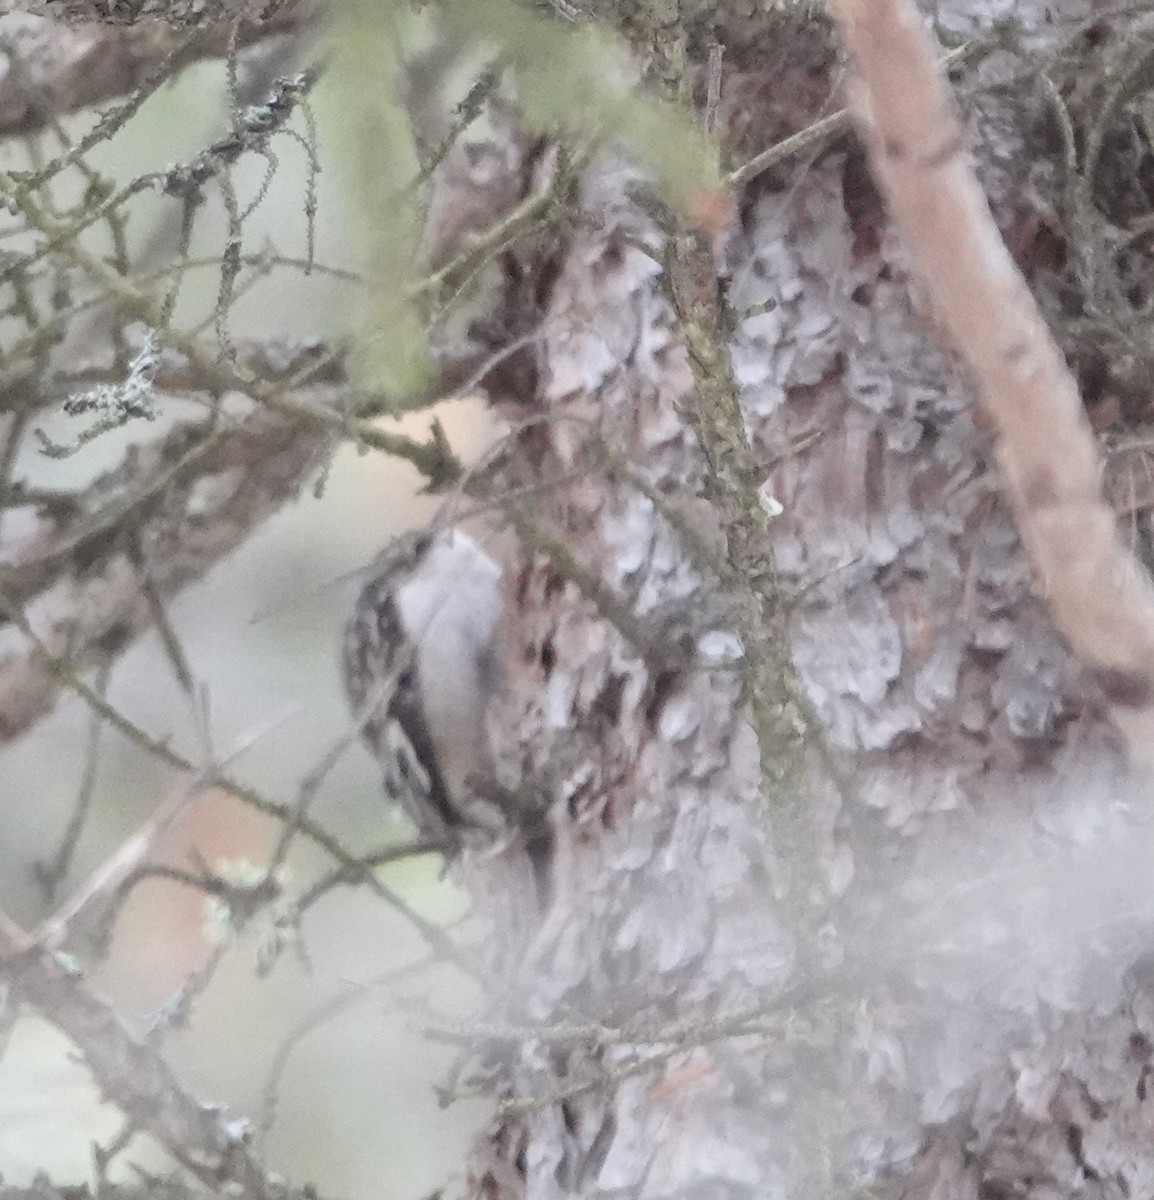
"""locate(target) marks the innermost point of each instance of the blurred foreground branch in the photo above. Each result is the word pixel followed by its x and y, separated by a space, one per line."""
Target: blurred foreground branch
pixel 1098 595
pixel 170 510
pixel 66 67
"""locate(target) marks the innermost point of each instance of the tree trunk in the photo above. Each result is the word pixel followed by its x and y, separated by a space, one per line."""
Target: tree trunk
pixel 848 864
pixel 967 1018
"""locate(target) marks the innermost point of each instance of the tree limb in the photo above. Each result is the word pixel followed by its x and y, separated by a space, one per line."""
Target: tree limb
pixel 187 501
pixel 66 65
pixel 129 1069
pixel 1096 593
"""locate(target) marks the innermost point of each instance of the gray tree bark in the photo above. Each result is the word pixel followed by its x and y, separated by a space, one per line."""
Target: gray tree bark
pixel 979 1022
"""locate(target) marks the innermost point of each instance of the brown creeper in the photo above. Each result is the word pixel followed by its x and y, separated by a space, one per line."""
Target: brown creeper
pixel 420 667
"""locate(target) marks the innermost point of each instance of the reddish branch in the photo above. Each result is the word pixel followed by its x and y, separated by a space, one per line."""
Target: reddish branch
pixel 1096 593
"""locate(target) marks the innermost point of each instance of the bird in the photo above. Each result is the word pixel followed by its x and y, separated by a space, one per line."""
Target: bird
pixel 421 665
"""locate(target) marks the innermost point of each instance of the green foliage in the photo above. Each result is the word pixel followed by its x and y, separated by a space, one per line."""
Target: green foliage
pixel 377 150
pixel 580 79
pixel 575 83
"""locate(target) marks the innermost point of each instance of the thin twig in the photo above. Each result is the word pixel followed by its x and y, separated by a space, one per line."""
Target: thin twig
pixel 828 127
pixel 315 1019
pixel 51 874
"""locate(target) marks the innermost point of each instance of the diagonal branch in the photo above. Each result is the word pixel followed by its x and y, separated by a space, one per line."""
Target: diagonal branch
pixel 1096 592
pixel 193 497
pixel 67 68
pixel 129 1069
